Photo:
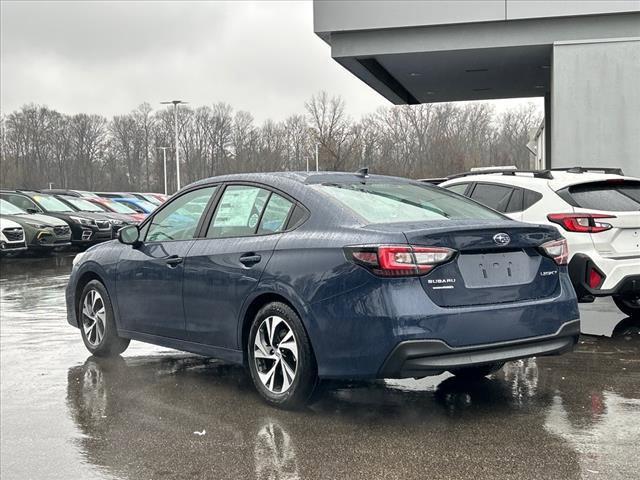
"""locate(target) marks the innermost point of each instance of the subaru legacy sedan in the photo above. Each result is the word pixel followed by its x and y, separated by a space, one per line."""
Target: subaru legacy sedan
pixel 308 276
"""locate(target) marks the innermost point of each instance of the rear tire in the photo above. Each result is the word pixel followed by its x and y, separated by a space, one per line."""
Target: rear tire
pixel 281 360
pixel 97 322
pixel 474 373
pixel 628 305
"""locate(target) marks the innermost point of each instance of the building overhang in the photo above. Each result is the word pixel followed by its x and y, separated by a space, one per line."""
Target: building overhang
pixel 466 61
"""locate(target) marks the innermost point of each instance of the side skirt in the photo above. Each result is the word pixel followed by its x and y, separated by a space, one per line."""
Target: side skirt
pixel 227 354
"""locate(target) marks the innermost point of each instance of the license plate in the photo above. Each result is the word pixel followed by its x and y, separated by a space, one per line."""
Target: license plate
pixel 498 269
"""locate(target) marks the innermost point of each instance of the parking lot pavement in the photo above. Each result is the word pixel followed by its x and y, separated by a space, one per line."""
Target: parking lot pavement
pixel 158 413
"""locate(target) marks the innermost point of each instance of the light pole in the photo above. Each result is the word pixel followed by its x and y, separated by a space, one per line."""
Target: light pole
pixel 164 161
pixel 175 104
pixel 317 145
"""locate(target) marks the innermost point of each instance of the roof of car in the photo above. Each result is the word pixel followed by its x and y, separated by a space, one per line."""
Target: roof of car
pixel 298 178
pixel 560 179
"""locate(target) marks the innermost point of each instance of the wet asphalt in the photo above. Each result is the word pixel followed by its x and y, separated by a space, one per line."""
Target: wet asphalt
pixel 156 413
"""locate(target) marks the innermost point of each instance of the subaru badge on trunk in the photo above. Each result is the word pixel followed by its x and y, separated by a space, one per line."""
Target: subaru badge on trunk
pixel 502 239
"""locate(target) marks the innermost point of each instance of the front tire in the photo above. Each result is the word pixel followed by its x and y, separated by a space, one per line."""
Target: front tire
pixel 97 322
pixel 475 373
pixel 628 305
pixel 281 360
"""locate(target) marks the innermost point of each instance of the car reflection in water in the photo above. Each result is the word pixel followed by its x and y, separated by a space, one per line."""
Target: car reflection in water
pixel 139 416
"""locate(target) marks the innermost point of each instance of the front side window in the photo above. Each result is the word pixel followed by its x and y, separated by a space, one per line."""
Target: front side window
pixel 179 219
pixel 238 212
pixel 404 202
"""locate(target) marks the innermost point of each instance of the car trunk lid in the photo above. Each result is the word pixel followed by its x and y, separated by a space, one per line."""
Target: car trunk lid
pixel 497 261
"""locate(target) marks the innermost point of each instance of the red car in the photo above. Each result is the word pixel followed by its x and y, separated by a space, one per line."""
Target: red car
pixel 111 206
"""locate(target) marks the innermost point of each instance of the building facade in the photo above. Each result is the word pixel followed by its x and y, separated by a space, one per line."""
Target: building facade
pixel 582 57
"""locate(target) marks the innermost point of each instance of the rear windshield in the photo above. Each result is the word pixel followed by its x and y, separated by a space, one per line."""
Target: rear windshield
pixel 405 202
pixel 616 197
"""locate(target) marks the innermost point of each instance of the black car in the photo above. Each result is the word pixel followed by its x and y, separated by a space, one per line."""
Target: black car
pixel 117 220
pixel 86 230
pixel 69 193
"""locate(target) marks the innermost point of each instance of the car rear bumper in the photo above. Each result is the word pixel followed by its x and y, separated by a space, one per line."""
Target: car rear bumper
pixel 419 358
pixel 621 277
pixel 355 333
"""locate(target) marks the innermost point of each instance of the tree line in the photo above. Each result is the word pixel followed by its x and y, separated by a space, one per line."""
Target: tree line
pixel 41 146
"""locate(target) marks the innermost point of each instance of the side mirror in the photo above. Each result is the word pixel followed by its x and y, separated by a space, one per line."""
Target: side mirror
pixel 129 235
pixel 32 211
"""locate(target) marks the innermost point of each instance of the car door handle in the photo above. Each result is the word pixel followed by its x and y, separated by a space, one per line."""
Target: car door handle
pixel 173 261
pixel 249 259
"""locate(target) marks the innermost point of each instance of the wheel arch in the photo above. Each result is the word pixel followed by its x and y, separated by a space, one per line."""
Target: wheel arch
pixel 254 305
pixel 85 277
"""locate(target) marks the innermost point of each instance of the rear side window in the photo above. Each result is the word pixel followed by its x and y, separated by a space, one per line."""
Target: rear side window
pixel 530 198
pixel 493 196
pixel 516 201
pixel 275 216
pixel 617 197
pixel 404 202
pixel 238 212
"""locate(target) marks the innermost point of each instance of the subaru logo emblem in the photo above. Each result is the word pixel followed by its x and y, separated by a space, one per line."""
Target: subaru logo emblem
pixel 502 239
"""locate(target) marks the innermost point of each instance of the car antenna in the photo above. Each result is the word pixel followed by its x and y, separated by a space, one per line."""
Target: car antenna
pixel 363 172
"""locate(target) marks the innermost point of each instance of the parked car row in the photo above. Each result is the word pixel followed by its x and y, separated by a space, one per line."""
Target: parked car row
pixel 596 210
pixel 42 220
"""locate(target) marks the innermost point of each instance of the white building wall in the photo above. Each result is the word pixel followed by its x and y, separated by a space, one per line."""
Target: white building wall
pixel 595 104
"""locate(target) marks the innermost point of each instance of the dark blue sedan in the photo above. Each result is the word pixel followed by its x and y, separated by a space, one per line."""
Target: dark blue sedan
pixel 305 276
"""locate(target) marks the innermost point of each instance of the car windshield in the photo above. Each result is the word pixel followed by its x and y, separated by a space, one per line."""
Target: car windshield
pixel 148 206
pixel 390 202
pixel 7 208
pixel 118 207
pixel 151 199
pixel 83 205
pixel 52 204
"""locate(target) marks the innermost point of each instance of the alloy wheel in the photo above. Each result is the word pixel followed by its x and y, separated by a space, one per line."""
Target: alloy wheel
pixel 93 317
pixel 275 353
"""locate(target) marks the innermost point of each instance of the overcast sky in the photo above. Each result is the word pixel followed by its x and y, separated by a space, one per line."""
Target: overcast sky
pixel 108 57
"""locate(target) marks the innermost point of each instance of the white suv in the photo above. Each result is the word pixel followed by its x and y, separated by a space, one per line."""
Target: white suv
pixel 596 210
pixel 12 237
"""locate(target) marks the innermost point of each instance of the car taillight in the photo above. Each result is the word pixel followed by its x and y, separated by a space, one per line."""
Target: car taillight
pixel 558 250
pixel 399 260
pixel 581 222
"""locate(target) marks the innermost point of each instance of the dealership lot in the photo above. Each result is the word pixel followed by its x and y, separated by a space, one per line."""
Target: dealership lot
pixel 158 413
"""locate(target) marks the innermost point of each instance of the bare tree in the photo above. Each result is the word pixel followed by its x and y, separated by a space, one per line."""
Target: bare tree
pixel 41 146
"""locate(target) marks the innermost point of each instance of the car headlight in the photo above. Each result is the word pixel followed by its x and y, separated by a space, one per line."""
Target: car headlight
pixel 35 224
pixel 82 221
pixel 116 222
pixel 77 258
